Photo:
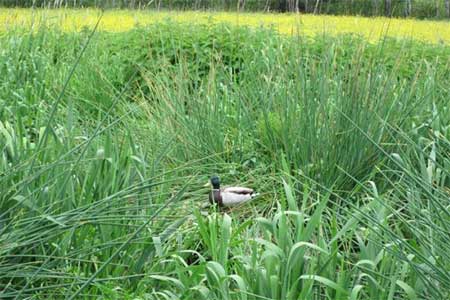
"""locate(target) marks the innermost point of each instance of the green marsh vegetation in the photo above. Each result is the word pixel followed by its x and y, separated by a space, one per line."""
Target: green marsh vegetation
pixel 107 140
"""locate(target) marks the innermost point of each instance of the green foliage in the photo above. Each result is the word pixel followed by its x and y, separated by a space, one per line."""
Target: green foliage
pixel 101 190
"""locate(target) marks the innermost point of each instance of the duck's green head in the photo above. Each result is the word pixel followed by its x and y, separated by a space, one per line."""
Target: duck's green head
pixel 215 182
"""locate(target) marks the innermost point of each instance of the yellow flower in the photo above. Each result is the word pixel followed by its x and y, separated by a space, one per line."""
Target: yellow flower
pixel 290 24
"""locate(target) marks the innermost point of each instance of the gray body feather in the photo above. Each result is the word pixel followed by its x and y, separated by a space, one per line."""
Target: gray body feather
pixel 234 195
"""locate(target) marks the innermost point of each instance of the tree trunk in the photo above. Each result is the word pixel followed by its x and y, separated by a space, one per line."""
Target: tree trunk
pixel 267 6
pixel 407 8
pixel 306 6
pixel 437 8
pixel 282 5
pixel 388 7
pixel 316 7
pixel 242 4
pixel 374 7
pixel 447 8
pixel 292 6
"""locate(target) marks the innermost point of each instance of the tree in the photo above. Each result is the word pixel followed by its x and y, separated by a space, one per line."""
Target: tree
pixel 316 7
pixel 437 8
pixel 447 8
pixel 282 5
pixel 267 6
pixel 388 7
pixel 375 6
pixel 407 7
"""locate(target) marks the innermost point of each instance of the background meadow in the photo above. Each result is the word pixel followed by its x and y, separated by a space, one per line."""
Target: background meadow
pixel 108 136
pixel 305 25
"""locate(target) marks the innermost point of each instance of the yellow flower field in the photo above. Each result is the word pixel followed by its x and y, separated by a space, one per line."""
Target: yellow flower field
pixel 310 25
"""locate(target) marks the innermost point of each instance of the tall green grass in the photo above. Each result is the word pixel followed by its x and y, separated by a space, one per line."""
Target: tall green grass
pixel 347 142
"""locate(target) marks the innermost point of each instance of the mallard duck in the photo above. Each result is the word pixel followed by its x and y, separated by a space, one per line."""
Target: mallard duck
pixel 229 196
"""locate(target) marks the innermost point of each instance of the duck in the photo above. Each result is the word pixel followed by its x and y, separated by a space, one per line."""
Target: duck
pixel 229 196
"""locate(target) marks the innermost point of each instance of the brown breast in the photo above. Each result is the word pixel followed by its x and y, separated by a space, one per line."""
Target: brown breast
pixel 215 197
